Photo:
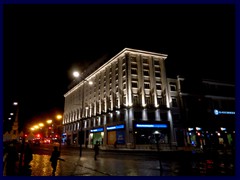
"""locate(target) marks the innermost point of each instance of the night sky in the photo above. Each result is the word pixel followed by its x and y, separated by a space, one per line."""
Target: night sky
pixel 43 44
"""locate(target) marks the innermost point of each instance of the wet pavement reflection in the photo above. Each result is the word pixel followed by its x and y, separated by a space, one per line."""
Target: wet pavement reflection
pixel 130 164
pixel 126 166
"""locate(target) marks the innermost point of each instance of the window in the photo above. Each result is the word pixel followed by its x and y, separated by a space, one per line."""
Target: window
pixel 124 86
pixel 146 86
pixel 146 73
pixel 134 84
pixel 124 72
pixel 159 87
pixel 157 74
pixel 148 100
pixel 124 100
pixel 145 67
pixel 135 100
pixel 159 101
pixel 145 61
pixel 173 87
pixel 133 59
pixel 134 71
pixel 157 69
pixel 156 62
pixel 134 65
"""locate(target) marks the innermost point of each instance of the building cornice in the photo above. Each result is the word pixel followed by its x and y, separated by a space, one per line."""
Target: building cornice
pixel 125 50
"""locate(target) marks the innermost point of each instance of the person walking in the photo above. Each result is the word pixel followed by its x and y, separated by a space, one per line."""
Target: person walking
pixel 54 159
pixel 96 150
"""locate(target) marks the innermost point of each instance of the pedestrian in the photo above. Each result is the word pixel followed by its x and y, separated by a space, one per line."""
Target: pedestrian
pixel 11 160
pixel 115 144
pixel 28 156
pixel 96 150
pixel 54 159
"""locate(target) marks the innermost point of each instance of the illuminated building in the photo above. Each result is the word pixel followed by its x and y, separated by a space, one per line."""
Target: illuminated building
pixel 130 99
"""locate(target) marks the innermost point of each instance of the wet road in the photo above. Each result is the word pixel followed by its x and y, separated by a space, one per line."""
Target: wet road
pixel 128 163
pixel 107 164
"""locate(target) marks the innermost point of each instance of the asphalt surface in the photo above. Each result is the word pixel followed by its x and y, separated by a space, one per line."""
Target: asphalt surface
pixel 120 162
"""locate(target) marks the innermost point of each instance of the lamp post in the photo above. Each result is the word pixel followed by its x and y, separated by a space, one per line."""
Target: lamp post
pixel 81 133
pixel 59 131
pixel 157 135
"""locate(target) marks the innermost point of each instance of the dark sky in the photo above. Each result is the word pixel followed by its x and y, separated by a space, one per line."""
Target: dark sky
pixel 44 43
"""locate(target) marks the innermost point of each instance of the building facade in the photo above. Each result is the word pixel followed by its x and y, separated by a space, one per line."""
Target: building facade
pixel 207 112
pixel 130 102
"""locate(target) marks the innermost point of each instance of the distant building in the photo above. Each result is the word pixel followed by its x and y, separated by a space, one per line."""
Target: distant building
pixel 207 112
pixel 14 132
pixel 131 101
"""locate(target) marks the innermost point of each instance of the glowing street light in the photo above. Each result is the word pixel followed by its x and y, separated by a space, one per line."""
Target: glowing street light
pixel 49 121
pixel 36 127
pixel 41 124
pixel 76 74
pixel 59 116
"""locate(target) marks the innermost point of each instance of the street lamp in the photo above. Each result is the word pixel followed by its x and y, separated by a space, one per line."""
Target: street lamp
pixel 76 74
pixel 81 133
pixel 157 135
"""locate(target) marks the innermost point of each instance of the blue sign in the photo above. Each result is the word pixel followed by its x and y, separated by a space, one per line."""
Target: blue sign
pixel 217 112
pixel 120 137
pixel 96 130
pixel 151 126
pixel 115 127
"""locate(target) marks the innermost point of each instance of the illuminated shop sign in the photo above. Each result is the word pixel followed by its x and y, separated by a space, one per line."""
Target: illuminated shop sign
pixel 96 130
pixel 115 127
pixel 151 125
pixel 217 112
